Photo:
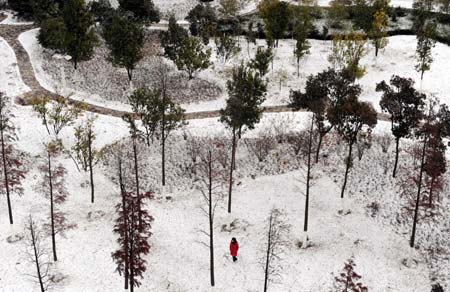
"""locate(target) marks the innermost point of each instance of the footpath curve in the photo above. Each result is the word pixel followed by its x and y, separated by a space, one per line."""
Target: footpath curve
pixel 11 33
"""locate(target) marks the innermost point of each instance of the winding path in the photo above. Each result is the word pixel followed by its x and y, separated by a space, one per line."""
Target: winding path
pixel 11 33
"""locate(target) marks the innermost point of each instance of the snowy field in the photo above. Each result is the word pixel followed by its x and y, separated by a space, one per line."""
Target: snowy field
pixel 177 257
pixel 398 58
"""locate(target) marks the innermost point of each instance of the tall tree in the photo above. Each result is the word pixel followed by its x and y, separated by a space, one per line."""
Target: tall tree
pixel 203 22
pixel 347 52
pixel 13 171
pixel 246 91
pixel 378 33
pixel 276 15
pixel 302 27
pixel 276 244
pixel 425 44
pixel 405 106
pixel 125 40
pixel 159 115
pixel 261 61
pixel 37 255
pixel 52 185
pixel 226 47
pixel 142 10
pixel 80 38
pixel 211 181
pixel 193 56
pixel 84 152
pixel 133 226
pixel 173 39
pixel 350 116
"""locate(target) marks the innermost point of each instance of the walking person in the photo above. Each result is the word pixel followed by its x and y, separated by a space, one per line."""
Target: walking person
pixel 234 247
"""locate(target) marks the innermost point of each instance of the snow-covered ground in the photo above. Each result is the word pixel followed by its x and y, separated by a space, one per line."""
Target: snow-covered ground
pixel 397 58
pixel 177 261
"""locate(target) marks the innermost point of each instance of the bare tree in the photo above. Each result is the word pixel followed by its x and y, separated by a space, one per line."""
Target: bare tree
pixel 261 145
pixel 211 181
pixel 38 256
pixel 276 243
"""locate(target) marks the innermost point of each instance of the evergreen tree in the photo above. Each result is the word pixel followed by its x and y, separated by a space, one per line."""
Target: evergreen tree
pixel 246 92
pixel 125 41
pixel 52 34
pixel 13 171
pixel 203 22
pixel 193 57
pixel 250 36
pixel 262 60
pixel 173 39
pixel 143 10
pixel 425 44
pixel 24 8
pixel 301 31
pixel 80 38
pixel 45 9
pixel 226 47
pixel 276 16
pixel 405 106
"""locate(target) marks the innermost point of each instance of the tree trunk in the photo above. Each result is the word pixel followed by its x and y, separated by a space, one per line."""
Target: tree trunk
pixel 419 188
pixel 431 192
pixel 163 140
pixel 36 256
pixel 136 173
pixel 233 154
pixel 91 173
pixel 269 246
pixel 319 145
pixel 298 68
pixel 347 168
pixel 123 193
pixel 308 176
pixel 55 258
pixel 211 222
pixel 397 142
pixel 130 74
pixel 376 50
pixel 5 174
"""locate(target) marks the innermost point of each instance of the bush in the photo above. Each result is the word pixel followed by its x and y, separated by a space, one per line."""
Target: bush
pixel 52 34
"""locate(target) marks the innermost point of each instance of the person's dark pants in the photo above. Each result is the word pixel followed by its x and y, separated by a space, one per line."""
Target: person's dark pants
pixel 234 259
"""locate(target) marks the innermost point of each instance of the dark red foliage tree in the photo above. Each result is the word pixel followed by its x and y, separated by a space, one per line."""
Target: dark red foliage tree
pixel 13 170
pixel 133 227
pixel 348 279
pixel 52 185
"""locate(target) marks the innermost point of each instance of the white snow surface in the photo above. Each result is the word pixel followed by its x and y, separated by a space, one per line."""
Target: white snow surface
pixel 10 81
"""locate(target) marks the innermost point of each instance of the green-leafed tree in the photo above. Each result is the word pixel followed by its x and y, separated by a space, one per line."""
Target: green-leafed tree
pixel 226 47
pixel 143 10
pixel 246 91
pixel 80 38
pixel 276 16
pixel 425 44
pixel 192 56
pixel 45 9
pixel 350 117
pixel 262 60
pixel 52 34
pixel 125 40
pixel 172 39
pixel 159 116
pixel 405 106
pixel 302 26
pixel 23 8
pixel 203 22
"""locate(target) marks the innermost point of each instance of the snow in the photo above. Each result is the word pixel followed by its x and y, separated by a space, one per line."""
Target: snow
pixel 11 19
pixel 397 58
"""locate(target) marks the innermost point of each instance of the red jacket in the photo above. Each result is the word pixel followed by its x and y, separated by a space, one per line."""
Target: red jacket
pixel 234 249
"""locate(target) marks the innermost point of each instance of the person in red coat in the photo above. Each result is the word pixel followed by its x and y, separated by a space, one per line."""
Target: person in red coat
pixel 234 247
